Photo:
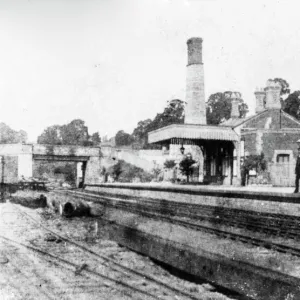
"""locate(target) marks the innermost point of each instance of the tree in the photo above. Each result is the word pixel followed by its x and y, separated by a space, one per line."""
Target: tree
pixel 51 135
pixel 73 133
pixel 292 104
pixel 218 108
pixel 140 133
pixel 123 139
pixel 173 114
pixel 96 139
pixel 10 136
pixel 186 166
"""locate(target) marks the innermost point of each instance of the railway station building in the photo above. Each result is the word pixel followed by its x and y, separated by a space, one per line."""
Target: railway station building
pixel 270 131
pixel 211 146
pixel 220 150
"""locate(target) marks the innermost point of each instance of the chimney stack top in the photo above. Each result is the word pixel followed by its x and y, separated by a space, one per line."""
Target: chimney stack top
pixel 194 50
pixel 273 90
pixel 194 39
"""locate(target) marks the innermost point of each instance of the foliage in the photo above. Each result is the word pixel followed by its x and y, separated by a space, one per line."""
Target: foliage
pixel 10 136
pixel 68 170
pixel 117 170
pixel 285 87
pixel 156 171
pixel 169 164
pixel 253 162
pixel 44 170
pixel 172 114
pixel 96 139
pixel 74 133
pixel 131 173
pixel 292 104
pixel 125 172
pixel 140 133
pixel 51 135
pixel 218 107
pixel 186 166
pixel 123 139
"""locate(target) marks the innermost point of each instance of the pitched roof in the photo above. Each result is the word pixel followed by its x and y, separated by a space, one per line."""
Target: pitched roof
pixel 290 117
pixel 235 122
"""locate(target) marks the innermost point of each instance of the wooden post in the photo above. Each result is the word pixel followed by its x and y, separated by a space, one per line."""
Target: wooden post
pixel 237 146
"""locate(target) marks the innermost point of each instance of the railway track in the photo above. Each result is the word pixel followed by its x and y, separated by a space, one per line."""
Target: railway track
pixel 192 215
pixel 164 290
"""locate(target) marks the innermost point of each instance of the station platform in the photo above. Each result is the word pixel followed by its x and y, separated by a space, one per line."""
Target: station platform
pixel 251 259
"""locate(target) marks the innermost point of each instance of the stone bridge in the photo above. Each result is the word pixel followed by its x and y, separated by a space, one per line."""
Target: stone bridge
pixel 17 159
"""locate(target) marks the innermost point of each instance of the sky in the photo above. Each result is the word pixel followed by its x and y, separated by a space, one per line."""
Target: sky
pixel 114 63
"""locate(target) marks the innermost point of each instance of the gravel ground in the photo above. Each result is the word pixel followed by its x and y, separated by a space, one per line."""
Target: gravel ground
pixel 37 264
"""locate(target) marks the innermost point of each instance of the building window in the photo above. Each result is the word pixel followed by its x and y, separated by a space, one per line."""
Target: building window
pixel 283 158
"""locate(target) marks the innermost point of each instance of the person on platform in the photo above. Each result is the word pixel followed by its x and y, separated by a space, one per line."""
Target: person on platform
pixel 297 172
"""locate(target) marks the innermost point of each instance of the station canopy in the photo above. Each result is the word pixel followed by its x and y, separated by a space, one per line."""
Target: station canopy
pixel 192 132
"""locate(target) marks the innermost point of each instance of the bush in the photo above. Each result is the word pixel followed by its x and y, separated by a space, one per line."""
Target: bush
pixel 169 164
pixel 55 170
pixel 186 167
pixel 156 171
pixel 116 170
pixel 125 172
pixel 253 162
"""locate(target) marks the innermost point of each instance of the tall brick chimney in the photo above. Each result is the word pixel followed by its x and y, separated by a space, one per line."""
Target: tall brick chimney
pixel 260 96
pixel 195 111
pixel 273 95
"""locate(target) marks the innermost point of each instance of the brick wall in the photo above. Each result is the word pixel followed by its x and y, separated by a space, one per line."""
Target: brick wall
pixel 250 142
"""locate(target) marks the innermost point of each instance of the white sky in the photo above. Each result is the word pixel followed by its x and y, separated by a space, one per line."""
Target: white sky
pixel 113 63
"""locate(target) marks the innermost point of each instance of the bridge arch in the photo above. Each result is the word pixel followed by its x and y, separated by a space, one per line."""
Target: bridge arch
pixel 17 160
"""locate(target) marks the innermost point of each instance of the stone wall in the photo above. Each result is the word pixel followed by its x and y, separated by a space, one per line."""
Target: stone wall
pixel 279 140
pixel 9 169
pixel 250 143
pixel 93 170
